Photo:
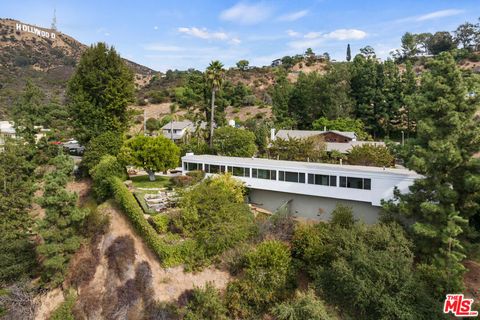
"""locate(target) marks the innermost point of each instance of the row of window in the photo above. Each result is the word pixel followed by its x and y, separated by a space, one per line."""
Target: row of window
pixel 288 176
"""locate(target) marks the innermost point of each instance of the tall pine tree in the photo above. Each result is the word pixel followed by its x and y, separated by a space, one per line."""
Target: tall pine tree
pixel 99 93
pixel 349 53
pixel 443 203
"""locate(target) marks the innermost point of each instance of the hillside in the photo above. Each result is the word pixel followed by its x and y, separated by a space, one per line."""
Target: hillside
pixel 47 61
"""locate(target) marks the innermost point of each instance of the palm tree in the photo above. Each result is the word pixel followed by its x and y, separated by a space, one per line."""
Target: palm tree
pixel 214 76
pixel 173 109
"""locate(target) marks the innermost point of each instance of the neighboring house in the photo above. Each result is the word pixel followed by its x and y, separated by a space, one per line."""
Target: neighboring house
pixel 73 147
pixel 311 190
pixel 276 62
pixel 7 130
pixel 179 130
pixel 342 141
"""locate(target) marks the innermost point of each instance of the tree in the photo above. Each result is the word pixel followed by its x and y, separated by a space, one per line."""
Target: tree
pixel 17 252
pixel 368 52
pixel 465 35
pixel 295 149
pixel 108 143
pixel 242 64
pixel 441 41
pixel 280 96
pixel 214 76
pixel 215 214
pixel 349 53
pixel 342 124
pixel 234 142
pixel 371 155
pixel 60 229
pixel 409 45
pixel 99 93
pixel 150 153
pixel 101 173
pixel 445 203
pixel 152 125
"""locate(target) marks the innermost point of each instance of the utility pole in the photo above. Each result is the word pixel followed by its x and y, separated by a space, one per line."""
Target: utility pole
pixel 54 20
pixel 144 122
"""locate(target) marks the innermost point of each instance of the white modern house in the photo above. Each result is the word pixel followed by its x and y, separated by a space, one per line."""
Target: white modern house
pixel 311 190
pixel 7 130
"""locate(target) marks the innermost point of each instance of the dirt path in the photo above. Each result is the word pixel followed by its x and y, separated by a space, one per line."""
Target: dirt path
pixel 472 279
pixel 168 283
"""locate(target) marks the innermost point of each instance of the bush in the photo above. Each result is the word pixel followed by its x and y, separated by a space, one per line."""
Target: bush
pixel 169 255
pixel 266 279
pixel 197 175
pixel 371 155
pixel 108 143
pixel 342 216
pixel 305 305
pixel 107 168
pixel 205 304
pixel 160 222
pixel 213 213
pixel 64 311
pixel 182 181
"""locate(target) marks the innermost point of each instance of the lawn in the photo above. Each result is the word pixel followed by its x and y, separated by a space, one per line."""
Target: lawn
pixel 143 182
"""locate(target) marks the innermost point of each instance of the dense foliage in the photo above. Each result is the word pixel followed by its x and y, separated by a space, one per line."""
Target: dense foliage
pixel 107 143
pixel 371 155
pixel 101 174
pixel 233 142
pixel 99 93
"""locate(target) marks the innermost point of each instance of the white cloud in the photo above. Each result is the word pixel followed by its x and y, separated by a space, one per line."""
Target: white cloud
pixel 439 14
pixel 203 33
pixel 312 35
pixel 293 16
pixel 235 41
pixel 244 13
pixel 304 44
pixel 155 28
pixel 346 34
pixel 292 33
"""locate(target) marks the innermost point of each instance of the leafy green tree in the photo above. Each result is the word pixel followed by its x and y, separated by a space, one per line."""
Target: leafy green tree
pixel 295 149
pixel 305 305
pixel 280 97
pixel 342 216
pixel 441 41
pixel 465 35
pixel 17 252
pixel 106 168
pixel 205 304
pixel 234 142
pixel 99 93
pixel 342 124
pixel 409 91
pixel 150 153
pixel 445 203
pixel 409 45
pixel 214 78
pixel 349 53
pixel 368 52
pixel 108 143
pixel 215 214
pixel 371 155
pixel 152 125
pixel 60 230
pixel 242 64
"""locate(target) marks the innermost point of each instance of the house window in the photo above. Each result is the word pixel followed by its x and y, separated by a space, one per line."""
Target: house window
pixel 214 168
pixel 264 174
pixel 356 183
pixel 291 176
pixel 323 180
pixel 190 166
pixel 239 171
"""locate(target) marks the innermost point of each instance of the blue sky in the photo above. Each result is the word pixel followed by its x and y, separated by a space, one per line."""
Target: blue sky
pixel 182 34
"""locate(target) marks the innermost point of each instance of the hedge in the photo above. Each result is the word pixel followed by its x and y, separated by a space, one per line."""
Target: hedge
pixel 169 254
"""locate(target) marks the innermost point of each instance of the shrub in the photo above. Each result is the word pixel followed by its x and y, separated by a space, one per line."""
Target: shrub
pixel 205 304
pixel 234 142
pixel 197 175
pixel 64 311
pixel 371 155
pixel 182 181
pixel 305 305
pixel 107 168
pixel 342 216
pixel 160 222
pixel 266 279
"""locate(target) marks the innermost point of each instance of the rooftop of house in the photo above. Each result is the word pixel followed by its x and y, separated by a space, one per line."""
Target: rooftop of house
pixel 178 125
pixel 294 165
pixel 7 127
pixel 345 147
pixel 301 134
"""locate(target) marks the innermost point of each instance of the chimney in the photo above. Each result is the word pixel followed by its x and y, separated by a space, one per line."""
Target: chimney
pixel 272 134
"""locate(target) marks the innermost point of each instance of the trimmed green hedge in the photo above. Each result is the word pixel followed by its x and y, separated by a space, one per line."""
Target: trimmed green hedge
pixel 169 254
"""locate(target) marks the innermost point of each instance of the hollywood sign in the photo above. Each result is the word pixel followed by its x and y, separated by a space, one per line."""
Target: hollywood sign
pixel 34 30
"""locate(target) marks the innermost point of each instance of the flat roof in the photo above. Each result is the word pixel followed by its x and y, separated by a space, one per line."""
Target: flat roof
pixel 297 164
